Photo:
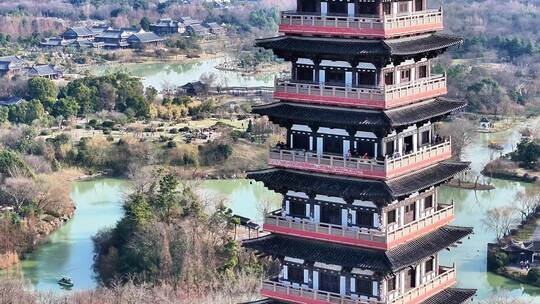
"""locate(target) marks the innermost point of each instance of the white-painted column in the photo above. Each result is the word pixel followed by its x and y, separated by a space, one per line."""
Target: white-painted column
pixel 415 142
pixel 402 216
pixel 376 220
pixel 342 285
pixel 308 210
pixel 350 9
pixel 285 272
pixel 375 288
pixel 418 276
pixel 287 207
pixel 291 141
pixel 417 209
pixel 317 213
pixel 353 285
pixel 344 217
pixel 402 284
pixel 306 276
pixel 353 216
pixel 315 280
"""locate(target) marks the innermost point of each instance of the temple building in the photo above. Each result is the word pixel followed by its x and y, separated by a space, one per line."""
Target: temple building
pixel 361 220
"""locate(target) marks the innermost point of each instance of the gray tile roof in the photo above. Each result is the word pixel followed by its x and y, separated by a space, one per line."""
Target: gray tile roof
pixel 43 70
pixel 14 100
pixel 10 62
pixel 357 48
pixel 283 111
pixel 357 188
pixel 79 31
pixel 451 296
pixel 144 37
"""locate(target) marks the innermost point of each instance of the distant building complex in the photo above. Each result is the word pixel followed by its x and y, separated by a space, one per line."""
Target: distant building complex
pixel 113 38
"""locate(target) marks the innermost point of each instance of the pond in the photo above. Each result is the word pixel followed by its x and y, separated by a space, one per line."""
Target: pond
pixel 169 75
pixel 69 251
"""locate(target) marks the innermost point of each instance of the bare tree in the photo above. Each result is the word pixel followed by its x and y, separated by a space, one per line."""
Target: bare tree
pixel 19 191
pixel 500 220
pixel 526 202
pixel 461 131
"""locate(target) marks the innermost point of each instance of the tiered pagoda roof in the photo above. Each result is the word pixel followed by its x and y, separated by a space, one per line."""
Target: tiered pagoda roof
pixel 351 49
pixel 451 296
pixel 358 257
pixel 284 112
pixel 281 180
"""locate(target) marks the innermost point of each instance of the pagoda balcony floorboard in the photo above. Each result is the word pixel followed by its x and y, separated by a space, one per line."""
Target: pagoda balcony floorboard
pixel 356 236
pixel 386 97
pixel 388 26
pixel 359 167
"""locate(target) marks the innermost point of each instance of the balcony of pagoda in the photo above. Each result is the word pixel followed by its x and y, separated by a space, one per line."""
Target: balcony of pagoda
pixel 434 282
pixel 444 278
pixel 360 84
pixel 385 97
pixel 377 238
pixel 298 294
pixel 370 26
pixel 388 167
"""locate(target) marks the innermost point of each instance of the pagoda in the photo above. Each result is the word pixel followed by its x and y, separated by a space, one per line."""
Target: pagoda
pixel 361 220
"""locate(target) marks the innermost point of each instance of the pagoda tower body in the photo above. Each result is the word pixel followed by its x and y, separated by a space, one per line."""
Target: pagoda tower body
pixel 361 220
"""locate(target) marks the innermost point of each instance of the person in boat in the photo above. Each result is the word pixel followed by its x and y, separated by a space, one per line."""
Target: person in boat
pixel 65 281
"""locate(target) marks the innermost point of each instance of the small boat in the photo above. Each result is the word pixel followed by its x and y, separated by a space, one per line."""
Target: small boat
pixel 65 282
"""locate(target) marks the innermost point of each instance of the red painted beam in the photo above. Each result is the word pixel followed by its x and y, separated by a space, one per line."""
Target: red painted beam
pixel 376 104
pixel 290 298
pixel 349 32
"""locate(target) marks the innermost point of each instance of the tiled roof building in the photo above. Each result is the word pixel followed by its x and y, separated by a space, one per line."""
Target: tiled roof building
pixel 361 220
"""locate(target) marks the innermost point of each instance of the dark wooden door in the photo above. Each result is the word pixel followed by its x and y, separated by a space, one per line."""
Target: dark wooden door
pixel 410 213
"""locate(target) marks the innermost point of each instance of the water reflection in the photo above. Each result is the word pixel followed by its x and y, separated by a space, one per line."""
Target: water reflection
pixel 160 75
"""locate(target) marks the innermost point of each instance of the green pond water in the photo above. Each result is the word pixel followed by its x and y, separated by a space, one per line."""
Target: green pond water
pixel 170 75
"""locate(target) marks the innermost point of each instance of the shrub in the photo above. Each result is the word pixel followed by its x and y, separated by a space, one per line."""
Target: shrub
pixel 45 132
pixel 497 260
pixel 108 124
pixel 173 131
pixel 106 131
pixel 533 276
pixel 214 153
pixel 92 123
pixel 171 144
pixel 79 127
